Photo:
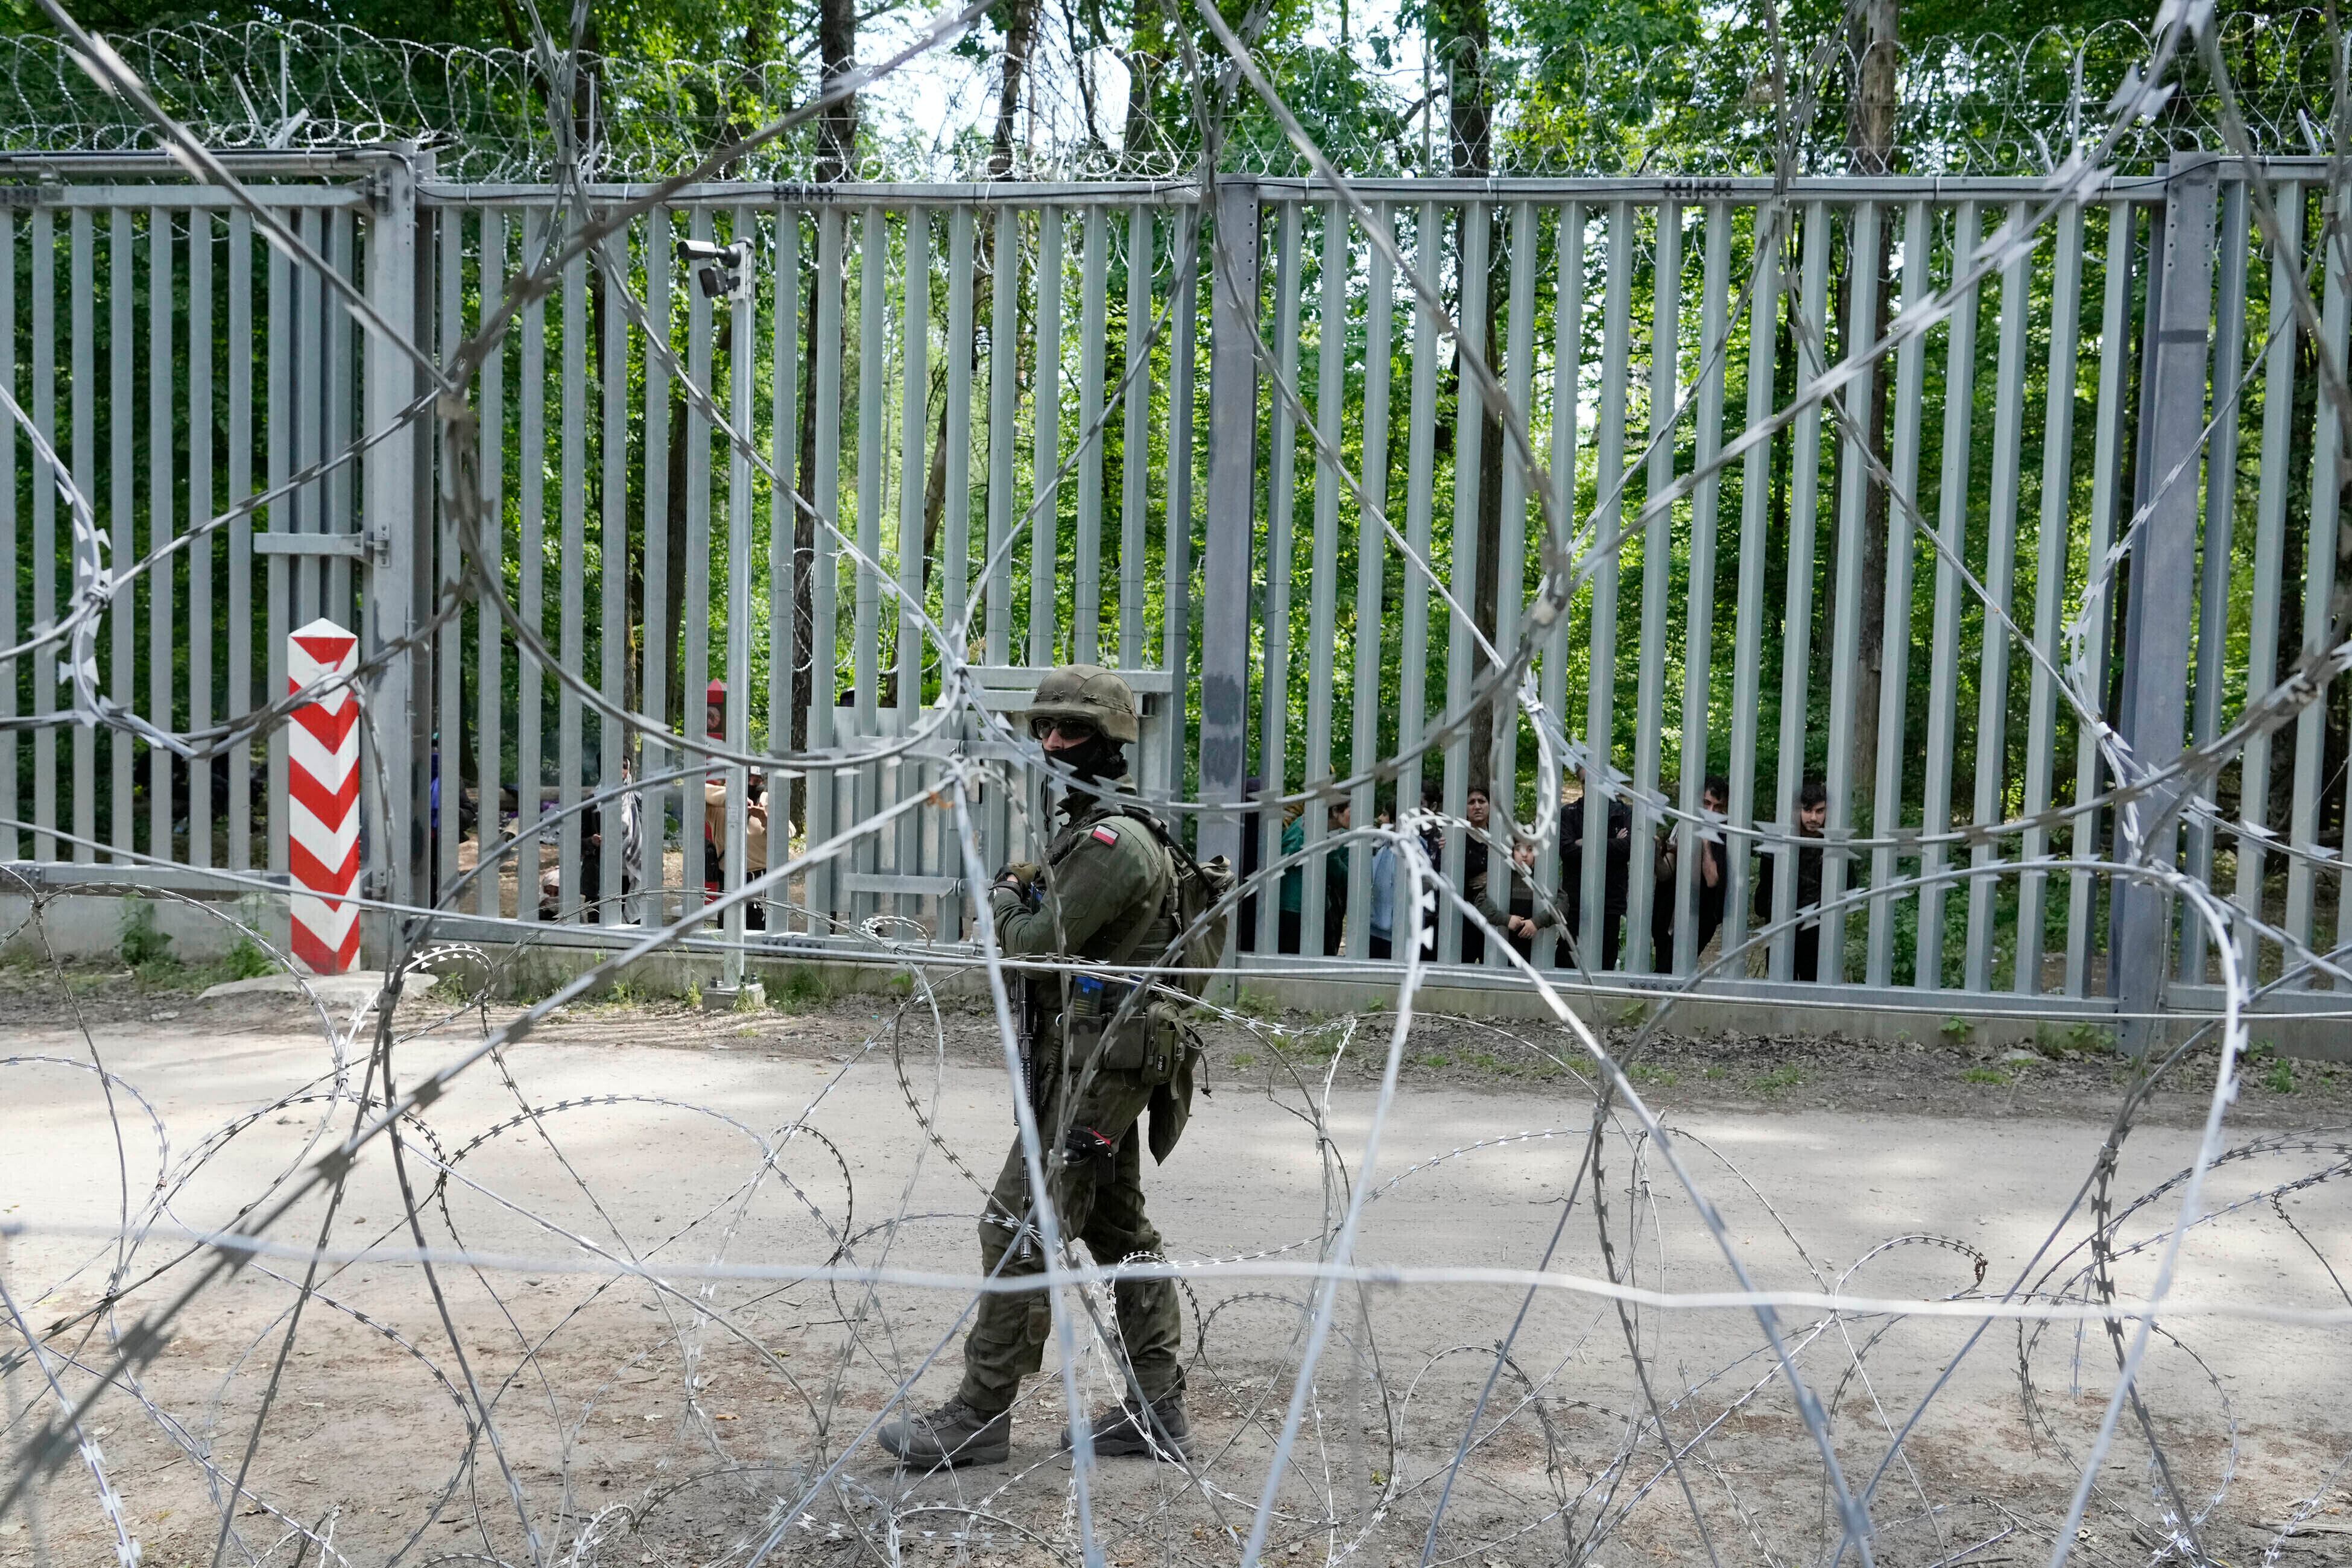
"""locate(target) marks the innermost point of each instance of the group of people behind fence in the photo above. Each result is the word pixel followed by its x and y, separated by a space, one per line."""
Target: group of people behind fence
pixel 1511 898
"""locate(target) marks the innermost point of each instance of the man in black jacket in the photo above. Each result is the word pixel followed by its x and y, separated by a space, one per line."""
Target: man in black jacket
pixel 1812 818
pixel 1706 897
pixel 1616 876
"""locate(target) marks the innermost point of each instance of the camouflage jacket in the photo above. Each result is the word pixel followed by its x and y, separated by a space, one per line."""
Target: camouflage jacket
pixel 1103 894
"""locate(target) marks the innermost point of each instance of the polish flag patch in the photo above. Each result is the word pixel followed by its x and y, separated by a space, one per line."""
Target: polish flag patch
pixel 1106 835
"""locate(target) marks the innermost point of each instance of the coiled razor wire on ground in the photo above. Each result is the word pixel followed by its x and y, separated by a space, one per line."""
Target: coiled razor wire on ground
pixel 1324 1432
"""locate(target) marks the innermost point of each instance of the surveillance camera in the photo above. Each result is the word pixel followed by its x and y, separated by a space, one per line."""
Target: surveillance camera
pixel 721 271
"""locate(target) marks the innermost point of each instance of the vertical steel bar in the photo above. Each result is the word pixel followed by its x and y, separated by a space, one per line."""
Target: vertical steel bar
pixel 1845 626
pixel 335 434
pixel 85 473
pixel 2221 510
pixel 163 448
pixel 448 749
pixel 239 805
pixel 1698 616
pixel 2001 572
pixel 1797 622
pixel 306 369
pixel 202 608
pixel 1371 575
pixel 1094 270
pixel 1323 578
pixel 571 612
pixel 1595 944
pixel 611 575
pixel 1894 646
pixel 1003 412
pixel 1944 634
pixel 913 465
pixel 824 668
pixel 1419 469
pixel 2050 577
pixel 1510 567
pixel 531 564
pixel 783 524
pixel 1046 460
pixel 122 519
pixel 955 512
pixel 865 653
pixel 1232 520
pixel 694 624
pixel 43 262
pixel 2155 715
pixel 955 519
pixel 1567 386
pixel 743 355
pixel 660 638
pixel 2115 377
pixel 1657 579
pixel 1469 434
pixel 1281 449
pixel 1135 447
pixel 490 685
pixel 285 517
pixel 2269 552
pixel 2318 591
pixel 1770 237
pixel 1176 628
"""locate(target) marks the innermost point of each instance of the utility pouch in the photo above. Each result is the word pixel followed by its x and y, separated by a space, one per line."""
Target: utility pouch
pixel 1171 1100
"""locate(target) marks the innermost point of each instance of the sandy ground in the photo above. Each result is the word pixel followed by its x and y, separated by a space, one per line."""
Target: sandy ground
pixel 634 1424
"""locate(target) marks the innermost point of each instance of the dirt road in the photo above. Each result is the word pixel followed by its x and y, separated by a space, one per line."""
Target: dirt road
pixel 692 1421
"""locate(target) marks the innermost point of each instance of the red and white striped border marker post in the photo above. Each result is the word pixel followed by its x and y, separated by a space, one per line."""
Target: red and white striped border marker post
pixel 322 778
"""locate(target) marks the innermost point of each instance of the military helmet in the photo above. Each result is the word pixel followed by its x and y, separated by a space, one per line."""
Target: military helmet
pixel 1086 691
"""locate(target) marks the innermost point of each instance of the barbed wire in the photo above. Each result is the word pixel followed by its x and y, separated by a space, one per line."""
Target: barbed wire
pixel 1347 1394
pixel 1989 105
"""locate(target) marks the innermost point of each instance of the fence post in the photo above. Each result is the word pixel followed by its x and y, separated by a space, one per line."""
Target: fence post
pixel 2152 715
pixel 392 476
pixel 1232 523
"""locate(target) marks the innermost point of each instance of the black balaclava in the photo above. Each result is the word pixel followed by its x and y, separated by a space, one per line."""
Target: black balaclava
pixel 1099 762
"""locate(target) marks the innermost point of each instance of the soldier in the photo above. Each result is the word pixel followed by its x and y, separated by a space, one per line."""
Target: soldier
pixel 1104 894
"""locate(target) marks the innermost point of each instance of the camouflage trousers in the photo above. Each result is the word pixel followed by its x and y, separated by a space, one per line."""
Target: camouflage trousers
pixel 1099 1203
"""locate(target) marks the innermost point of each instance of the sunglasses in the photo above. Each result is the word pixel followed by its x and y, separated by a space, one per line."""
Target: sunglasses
pixel 1077 731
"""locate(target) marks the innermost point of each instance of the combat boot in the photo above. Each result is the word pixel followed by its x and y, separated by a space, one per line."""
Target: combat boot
pixel 1161 1429
pixel 954 1433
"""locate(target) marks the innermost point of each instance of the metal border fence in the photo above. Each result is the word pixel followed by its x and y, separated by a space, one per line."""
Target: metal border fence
pixel 1033 402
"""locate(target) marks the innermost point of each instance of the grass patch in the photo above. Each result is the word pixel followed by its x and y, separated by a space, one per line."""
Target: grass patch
pixel 2280 1080
pixel 1998 1076
pixel 1245 1058
pixel 1787 1075
pixel 1713 1075
pixel 1646 1075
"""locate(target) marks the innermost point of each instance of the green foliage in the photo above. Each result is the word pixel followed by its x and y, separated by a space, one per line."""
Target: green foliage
pixel 1787 1075
pixel 245 960
pixel 1997 1075
pixel 143 942
pixel 1957 1031
pixel 2280 1080
pixel 802 988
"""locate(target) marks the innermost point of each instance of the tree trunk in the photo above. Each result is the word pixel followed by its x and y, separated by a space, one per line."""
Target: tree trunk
pixel 1147 57
pixel 836 40
pixel 1019 20
pixel 1871 150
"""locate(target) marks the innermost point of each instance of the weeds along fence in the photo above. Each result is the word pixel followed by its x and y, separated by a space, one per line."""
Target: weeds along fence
pixel 936 367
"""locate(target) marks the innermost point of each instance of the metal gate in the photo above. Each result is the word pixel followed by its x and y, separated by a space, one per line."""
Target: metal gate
pixel 1027 404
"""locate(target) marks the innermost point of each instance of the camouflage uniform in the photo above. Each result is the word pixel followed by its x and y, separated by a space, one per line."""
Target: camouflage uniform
pixel 1104 897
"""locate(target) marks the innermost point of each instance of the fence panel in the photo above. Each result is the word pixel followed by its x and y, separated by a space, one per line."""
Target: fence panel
pixel 897 370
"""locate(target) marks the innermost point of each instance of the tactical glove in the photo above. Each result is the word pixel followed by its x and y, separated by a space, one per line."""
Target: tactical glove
pixel 1084 1144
